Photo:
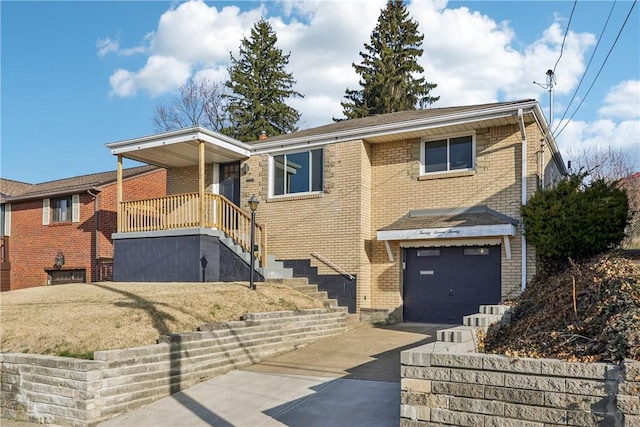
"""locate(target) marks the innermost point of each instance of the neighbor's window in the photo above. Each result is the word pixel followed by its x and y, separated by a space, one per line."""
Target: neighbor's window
pixel 297 172
pixel 61 209
pixel 448 154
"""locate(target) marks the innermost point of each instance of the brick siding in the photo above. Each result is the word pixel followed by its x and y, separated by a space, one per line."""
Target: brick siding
pixel 34 246
pixel 369 186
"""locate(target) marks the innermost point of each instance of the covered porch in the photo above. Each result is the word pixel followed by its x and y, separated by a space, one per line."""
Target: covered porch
pixel 204 209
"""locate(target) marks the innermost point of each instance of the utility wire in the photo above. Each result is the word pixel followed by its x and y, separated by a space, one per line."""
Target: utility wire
pixel 587 68
pixel 566 31
pixel 600 70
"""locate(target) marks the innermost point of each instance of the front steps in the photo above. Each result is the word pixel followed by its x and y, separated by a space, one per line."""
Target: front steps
pixel 301 284
pixel 275 272
pixel 274 268
pixel 465 338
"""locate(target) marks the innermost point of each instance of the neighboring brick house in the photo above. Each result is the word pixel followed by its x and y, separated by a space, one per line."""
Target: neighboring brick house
pixel 68 220
pixel 413 215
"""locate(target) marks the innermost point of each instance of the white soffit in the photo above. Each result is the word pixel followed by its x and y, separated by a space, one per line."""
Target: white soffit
pixel 181 148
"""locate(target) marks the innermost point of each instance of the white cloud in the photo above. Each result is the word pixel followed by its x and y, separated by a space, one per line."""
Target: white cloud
pixel 622 101
pixel 122 83
pixel 579 136
pixel 160 74
pixel 107 45
pixel 191 37
pixel 472 57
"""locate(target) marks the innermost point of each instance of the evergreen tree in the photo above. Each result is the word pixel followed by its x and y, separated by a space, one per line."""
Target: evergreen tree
pixel 260 85
pixel 389 68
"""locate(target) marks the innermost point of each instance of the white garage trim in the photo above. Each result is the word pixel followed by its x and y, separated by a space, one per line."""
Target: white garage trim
pixel 448 233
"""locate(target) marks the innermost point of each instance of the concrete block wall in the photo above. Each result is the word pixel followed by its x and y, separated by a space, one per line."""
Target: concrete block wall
pixel 628 399
pixel 56 390
pixel 475 389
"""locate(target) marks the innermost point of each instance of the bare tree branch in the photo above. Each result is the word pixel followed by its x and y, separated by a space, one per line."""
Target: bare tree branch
pixel 198 103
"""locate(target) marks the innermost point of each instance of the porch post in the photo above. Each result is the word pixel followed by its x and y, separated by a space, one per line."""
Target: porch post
pixel 119 194
pixel 201 181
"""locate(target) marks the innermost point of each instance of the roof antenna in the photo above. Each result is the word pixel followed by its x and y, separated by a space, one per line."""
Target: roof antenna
pixel 551 81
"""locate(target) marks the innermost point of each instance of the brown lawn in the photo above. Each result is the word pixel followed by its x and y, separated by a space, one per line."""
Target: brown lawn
pixel 81 318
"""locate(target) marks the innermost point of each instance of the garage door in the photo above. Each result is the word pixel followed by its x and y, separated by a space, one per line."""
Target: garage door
pixel 443 284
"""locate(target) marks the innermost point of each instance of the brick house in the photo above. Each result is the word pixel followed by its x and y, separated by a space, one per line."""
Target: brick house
pixel 409 216
pixel 60 231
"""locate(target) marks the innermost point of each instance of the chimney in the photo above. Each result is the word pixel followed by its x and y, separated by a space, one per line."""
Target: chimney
pixel 263 135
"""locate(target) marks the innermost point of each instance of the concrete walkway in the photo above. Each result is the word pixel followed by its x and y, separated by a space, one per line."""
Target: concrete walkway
pixel 349 380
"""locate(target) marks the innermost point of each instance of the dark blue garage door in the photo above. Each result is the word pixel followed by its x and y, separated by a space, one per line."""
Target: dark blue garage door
pixel 443 284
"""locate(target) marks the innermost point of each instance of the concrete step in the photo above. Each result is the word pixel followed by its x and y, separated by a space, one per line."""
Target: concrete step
pixel 495 309
pixel 275 269
pixel 481 320
pixel 330 302
pixel 289 281
pixel 458 334
pixel 306 289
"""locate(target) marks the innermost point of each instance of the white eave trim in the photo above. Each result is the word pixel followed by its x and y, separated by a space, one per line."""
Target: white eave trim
pixel 394 127
pixel 448 233
pixel 181 136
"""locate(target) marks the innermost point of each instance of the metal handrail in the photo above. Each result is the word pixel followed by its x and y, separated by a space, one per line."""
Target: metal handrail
pixel 334 266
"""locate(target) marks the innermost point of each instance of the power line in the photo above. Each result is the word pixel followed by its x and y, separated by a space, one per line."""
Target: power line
pixel 600 70
pixel 566 31
pixel 587 68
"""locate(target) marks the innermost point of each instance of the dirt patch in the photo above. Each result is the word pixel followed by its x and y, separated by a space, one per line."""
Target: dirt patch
pixel 77 319
pixel 588 312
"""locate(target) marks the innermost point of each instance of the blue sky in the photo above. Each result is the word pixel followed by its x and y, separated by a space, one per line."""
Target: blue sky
pixel 77 75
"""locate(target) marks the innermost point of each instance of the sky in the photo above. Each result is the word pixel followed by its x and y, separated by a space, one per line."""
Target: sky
pixel 77 75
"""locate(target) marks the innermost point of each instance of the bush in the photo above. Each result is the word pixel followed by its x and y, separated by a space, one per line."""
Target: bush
pixel 576 221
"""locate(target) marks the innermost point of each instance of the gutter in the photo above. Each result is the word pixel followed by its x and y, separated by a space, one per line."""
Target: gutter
pixel 96 210
pixel 49 194
pixel 555 152
pixel 196 133
pixel 523 134
pixel 393 127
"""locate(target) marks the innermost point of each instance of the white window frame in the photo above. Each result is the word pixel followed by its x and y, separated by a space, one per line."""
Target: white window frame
pixel 6 226
pixel 47 211
pixel 272 172
pixel 425 141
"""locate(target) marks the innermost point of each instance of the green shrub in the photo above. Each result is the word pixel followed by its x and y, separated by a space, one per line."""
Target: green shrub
pixel 574 220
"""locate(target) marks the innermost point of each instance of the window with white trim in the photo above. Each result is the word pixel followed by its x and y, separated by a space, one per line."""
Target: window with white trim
pixel 61 209
pixel 448 154
pixel 298 172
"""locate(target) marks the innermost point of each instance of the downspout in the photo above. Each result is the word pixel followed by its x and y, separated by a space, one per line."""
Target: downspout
pixel 523 134
pixel 96 235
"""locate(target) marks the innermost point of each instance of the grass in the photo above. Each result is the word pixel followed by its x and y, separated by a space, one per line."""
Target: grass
pixel 75 320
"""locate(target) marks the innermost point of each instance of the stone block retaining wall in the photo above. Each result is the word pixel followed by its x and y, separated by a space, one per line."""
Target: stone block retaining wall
pixel 475 389
pixel 64 391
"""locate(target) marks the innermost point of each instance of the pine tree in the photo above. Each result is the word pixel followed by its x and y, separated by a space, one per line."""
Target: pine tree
pixel 260 85
pixel 389 68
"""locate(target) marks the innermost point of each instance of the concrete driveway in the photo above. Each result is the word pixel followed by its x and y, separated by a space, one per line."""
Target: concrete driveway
pixel 348 380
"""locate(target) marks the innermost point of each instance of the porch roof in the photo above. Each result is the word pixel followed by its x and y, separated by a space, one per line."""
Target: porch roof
pixel 477 221
pixel 180 148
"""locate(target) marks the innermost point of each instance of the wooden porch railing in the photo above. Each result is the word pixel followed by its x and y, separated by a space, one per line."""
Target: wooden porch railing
pixel 183 211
